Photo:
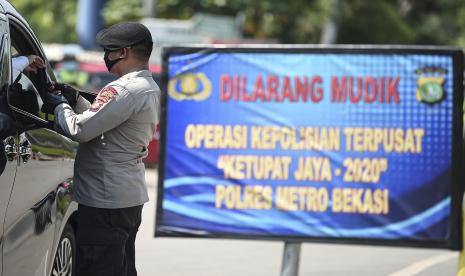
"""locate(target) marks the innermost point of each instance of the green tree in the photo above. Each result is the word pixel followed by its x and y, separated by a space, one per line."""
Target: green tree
pixel 373 22
pixel 295 21
pixel 55 20
pixel 51 20
pixel 436 22
pixel 122 10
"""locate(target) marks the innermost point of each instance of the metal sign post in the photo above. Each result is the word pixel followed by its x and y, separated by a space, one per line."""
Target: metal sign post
pixel 291 257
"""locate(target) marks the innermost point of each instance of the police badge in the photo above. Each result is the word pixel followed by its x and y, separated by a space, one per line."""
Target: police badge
pixel 430 89
pixel 190 86
pixel 104 96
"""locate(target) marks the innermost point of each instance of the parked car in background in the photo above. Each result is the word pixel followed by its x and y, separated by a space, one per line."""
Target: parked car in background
pixel 36 164
pixel 152 157
pixel 93 76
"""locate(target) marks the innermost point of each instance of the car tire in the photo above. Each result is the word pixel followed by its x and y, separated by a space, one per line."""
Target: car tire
pixel 65 257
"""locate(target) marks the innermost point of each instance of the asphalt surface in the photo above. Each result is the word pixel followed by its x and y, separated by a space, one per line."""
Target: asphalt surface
pixel 220 257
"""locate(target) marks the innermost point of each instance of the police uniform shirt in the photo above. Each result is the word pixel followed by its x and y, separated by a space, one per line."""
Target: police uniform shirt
pixel 113 134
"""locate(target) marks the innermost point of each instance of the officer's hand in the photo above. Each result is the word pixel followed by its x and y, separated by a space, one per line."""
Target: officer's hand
pixel 51 101
pixel 70 93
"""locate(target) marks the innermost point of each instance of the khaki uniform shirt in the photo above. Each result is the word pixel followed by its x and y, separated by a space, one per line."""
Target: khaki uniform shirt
pixel 114 132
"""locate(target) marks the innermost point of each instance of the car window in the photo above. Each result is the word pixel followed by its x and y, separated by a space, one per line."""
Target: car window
pixel 6 128
pixel 21 46
pixel 5 66
pixel 13 51
pixel 24 92
pixel 4 59
pixel 24 43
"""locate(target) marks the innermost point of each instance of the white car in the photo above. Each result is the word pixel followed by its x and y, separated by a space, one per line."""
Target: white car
pixel 36 165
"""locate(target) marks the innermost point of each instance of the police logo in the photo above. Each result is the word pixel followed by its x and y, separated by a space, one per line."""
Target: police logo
pixel 189 87
pixel 430 89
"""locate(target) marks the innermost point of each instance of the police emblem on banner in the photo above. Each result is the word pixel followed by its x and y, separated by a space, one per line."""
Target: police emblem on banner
pixel 430 89
pixel 190 86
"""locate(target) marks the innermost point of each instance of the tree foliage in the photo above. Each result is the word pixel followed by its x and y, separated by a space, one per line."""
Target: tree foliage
pixel 295 21
pixel 51 20
pixel 361 22
pixel 55 20
pixel 122 10
pixel 436 22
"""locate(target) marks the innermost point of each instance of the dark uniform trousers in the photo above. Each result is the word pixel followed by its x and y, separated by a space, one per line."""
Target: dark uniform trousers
pixel 105 241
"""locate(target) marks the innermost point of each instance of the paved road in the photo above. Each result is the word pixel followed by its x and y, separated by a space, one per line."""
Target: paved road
pixel 208 257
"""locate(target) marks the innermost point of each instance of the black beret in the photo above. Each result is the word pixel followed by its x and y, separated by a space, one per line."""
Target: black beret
pixel 123 35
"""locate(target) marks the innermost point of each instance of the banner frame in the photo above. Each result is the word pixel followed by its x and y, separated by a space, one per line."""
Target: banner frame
pixel 458 168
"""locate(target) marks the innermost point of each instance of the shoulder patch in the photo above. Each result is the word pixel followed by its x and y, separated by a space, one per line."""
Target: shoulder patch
pixel 104 96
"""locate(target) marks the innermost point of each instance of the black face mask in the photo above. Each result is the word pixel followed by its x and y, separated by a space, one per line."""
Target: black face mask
pixel 110 63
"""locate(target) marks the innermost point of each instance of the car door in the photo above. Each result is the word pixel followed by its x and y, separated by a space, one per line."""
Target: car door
pixel 8 157
pixel 32 211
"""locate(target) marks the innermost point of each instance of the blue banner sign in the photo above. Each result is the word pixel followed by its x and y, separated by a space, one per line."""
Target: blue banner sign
pixel 343 144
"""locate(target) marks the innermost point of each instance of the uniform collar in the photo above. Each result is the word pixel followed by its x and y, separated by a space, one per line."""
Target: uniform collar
pixel 141 73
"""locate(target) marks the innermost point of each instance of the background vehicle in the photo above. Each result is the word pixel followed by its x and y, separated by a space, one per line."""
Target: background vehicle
pixel 36 165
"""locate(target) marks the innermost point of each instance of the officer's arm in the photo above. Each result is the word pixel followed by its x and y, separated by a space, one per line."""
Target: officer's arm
pixel 100 117
pixel 81 105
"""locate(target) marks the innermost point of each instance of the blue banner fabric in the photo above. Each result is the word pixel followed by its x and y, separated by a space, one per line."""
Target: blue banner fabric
pixel 295 144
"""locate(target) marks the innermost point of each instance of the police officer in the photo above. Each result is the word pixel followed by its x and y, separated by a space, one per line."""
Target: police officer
pixel 113 133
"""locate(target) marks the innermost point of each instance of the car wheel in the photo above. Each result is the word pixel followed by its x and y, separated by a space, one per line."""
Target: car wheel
pixel 63 265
